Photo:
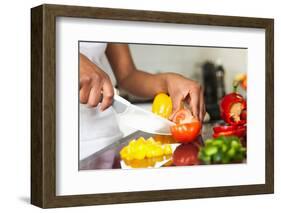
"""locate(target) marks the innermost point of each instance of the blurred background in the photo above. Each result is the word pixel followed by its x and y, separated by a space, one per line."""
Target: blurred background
pixel 189 61
pixel 214 67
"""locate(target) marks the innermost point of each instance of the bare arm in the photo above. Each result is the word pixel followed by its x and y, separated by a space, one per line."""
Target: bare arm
pixel 144 84
pixel 135 81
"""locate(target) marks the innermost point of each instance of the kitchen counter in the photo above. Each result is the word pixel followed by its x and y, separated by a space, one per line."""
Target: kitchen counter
pixel 207 132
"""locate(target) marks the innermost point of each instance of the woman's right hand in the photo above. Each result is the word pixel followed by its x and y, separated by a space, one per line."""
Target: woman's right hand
pixel 94 85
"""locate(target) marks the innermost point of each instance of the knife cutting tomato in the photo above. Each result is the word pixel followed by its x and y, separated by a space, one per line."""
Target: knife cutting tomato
pixel 187 127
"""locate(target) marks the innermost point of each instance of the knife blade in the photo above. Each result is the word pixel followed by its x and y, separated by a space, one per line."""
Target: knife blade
pixel 139 118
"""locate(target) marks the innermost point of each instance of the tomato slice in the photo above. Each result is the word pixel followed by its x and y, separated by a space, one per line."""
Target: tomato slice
pixel 186 132
pixel 183 116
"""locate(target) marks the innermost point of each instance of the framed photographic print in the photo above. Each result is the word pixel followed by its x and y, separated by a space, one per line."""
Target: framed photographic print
pixel 135 106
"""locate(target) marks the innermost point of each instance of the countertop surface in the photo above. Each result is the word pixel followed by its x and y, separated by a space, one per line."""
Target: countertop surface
pixel 207 132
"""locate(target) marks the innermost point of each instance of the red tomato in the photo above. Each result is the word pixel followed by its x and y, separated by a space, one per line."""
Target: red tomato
pixel 187 132
pixel 186 155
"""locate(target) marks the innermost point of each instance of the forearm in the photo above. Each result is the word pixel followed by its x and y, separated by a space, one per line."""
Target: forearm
pixel 143 84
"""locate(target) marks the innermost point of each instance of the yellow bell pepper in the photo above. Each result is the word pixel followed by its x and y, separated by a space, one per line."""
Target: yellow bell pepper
pixel 162 105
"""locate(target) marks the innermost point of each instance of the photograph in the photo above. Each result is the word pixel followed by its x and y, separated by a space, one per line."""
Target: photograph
pixel 145 106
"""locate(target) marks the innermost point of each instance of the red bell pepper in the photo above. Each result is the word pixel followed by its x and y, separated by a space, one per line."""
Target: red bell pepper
pixel 233 109
pixel 239 131
pixel 224 128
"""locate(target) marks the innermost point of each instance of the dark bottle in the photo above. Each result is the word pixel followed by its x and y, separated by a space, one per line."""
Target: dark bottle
pixel 210 90
pixel 220 73
pixel 214 87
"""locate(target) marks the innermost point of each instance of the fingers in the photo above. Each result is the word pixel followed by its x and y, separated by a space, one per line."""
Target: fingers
pixel 202 108
pixel 94 83
pixel 95 93
pixel 195 100
pixel 177 101
pixel 95 96
pixel 108 93
pixel 85 88
pixel 95 90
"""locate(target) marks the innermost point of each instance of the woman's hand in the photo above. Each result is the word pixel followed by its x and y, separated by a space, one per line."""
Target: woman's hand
pixel 183 89
pixel 94 85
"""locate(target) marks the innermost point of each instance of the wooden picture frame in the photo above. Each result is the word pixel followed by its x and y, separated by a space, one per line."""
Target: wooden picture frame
pixel 43 105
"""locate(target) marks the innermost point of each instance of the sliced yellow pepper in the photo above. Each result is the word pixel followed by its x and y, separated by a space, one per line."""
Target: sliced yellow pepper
pixel 141 149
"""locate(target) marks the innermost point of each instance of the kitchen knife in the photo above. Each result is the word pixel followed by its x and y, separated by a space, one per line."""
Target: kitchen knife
pixel 139 118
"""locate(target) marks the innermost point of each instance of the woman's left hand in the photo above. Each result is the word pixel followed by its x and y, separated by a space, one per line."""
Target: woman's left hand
pixel 182 89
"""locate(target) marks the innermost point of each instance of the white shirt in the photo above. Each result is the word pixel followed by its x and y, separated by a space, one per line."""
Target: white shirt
pixel 97 129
